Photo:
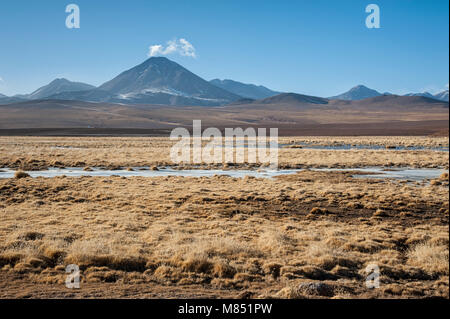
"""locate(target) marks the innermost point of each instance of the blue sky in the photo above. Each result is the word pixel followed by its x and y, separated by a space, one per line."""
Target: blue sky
pixel 312 47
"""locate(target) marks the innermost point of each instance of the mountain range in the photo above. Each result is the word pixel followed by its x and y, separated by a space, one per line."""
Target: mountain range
pixel 443 96
pixel 248 91
pixel 58 86
pixel 158 80
pixel 358 92
pixel 361 92
pixel 161 81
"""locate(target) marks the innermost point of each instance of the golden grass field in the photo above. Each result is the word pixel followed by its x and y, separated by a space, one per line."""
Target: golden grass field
pixel 217 237
pixel 31 153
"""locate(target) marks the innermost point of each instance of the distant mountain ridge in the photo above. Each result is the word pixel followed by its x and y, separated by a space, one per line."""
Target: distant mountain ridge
pixel 55 87
pixel 443 96
pixel 58 86
pixel 381 102
pixel 249 91
pixel 391 101
pixel 424 94
pixel 292 98
pixel 359 92
pixel 10 99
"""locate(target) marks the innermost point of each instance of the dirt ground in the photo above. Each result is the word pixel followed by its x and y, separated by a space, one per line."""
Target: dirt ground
pixel 307 235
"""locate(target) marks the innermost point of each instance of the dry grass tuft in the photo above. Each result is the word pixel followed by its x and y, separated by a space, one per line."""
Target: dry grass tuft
pixel 432 258
pixel 290 293
pixel 319 211
pixel 380 213
pixel 21 174
pixel 198 265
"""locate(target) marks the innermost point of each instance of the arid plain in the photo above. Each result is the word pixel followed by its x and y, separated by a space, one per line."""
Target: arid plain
pixel 310 234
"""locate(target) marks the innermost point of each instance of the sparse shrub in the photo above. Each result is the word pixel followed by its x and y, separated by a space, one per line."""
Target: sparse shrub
pixel 273 240
pixel 103 276
pixel 344 272
pixel 35 262
pixel 272 269
pixel 9 258
pixel 167 273
pixel 198 265
pixel 244 277
pixel 290 293
pixel 327 257
pixel 319 211
pixel 60 268
pixel 439 241
pixel 380 213
pixel 431 258
pixel 316 288
pixel 223 270
pixel 21 174
pixel 393 289
pixel 57 164
pixel 31 235
pixel 223 283
pixel 23 268
pixel 335 242
pixel 406 214
pixel 289 272
pixel 97 252
pixel 151 266
pixel 39 203
pixel 354 205
pixel 313 272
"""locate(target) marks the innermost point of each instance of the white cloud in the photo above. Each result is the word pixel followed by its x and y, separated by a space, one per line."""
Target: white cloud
pixel 187 48
pixel 182 47
pixel 1 80
pixel 154 50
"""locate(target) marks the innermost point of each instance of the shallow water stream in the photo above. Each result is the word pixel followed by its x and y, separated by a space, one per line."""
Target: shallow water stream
pixel 369 172
pixel 364 147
